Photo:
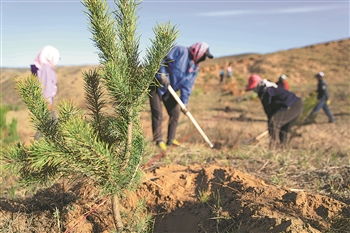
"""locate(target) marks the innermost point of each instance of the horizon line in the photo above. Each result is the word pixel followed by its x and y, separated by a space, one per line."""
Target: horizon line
pixel 222 56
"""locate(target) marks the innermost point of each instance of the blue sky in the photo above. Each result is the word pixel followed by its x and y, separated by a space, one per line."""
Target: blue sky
pixel 229 27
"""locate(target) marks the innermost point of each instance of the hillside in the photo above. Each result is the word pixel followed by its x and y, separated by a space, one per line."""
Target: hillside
pixel 299 64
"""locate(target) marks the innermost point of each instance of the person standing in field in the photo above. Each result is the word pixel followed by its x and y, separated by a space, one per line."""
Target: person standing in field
pixel 281 107
pixel 44 68
pixel 229 71
pixel 179 69
pixel 322 97
pixel 222 74
pixel 282 82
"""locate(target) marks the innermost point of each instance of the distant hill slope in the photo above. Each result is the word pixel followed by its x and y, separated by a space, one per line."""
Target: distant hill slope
pixel 70 84
pixel 300 64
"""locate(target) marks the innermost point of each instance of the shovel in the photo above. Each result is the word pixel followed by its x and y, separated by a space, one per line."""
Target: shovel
pixel 257 138
pixel 189 115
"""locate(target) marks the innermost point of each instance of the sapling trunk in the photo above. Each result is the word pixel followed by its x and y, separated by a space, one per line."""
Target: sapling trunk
pixel 128 143
pixel 116 212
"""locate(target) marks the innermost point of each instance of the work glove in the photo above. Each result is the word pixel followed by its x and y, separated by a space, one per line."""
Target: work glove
pixel 269 84
pixel 164 80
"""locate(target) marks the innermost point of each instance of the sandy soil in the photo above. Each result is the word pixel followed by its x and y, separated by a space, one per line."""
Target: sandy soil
pixel 182 199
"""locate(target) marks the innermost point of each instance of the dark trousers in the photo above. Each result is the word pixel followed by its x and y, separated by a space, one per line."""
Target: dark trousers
pixel 280 123
pixel 322 103
pixel 222 77
pixel 173 110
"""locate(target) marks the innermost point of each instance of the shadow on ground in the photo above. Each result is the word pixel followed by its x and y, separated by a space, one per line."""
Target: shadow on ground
pixel 46 199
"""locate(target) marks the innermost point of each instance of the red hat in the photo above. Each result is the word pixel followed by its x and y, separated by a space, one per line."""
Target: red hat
pixel 253 82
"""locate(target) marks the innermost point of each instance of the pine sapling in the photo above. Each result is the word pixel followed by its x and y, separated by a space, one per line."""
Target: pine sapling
pixel 106 147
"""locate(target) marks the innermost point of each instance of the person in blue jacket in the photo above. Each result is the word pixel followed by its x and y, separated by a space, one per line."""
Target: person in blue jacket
pixel 179 69
pixel 281 107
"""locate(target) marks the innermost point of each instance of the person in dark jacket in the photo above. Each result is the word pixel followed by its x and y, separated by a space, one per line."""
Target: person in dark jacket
pixel 179 69
pixel 282 82
pixel 322 97
pixel 222 74
pixel 281 107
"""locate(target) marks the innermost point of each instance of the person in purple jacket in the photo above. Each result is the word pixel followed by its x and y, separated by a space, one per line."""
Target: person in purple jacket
pixel 282 107
pixel 179 69
pixel 44 69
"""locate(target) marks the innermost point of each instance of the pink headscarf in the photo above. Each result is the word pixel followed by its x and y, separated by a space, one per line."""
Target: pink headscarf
pixel 198 50
pixel 48 55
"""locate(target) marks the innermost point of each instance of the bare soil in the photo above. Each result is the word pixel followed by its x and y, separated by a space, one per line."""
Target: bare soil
pixel 237 202
pixel 182 199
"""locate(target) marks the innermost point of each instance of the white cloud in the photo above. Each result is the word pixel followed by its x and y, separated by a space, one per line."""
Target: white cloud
pixel 228 13
pixel 306 9
pixel 295 10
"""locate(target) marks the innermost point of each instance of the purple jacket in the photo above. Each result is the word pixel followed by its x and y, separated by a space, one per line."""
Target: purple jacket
pixel 47 77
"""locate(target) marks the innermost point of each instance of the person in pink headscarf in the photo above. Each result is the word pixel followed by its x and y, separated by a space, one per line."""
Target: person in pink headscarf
pixel 44 69
pixel 179 69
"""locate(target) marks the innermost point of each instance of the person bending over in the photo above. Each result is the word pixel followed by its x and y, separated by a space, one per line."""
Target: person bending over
pixel 281 107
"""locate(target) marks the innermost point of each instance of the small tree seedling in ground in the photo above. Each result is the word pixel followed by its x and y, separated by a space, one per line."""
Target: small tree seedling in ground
pixel 108 148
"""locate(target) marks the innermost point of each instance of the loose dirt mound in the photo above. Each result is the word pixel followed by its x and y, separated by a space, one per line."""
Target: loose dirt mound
pixel 196 199
pixel 183 199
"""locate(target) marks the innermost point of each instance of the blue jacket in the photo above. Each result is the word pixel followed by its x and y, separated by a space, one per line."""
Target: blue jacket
pixel 181 70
